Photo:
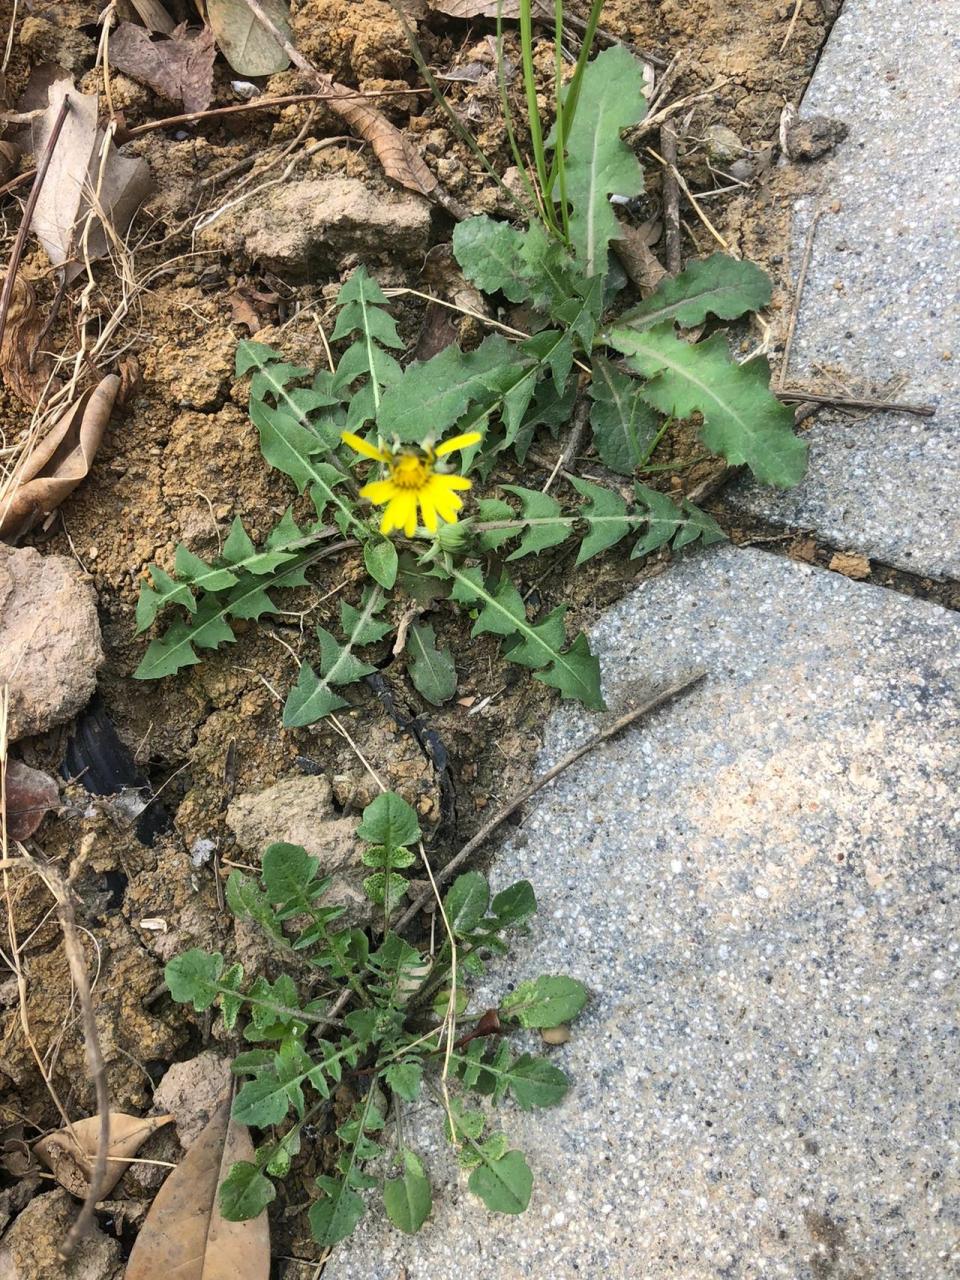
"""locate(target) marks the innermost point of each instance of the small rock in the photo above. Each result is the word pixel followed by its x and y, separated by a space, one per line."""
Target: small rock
pixel 723 145
pixel 49 639
pixel 300 811
pixel 555 1035
pixel 191 1091
pixel 29 1250
pixel 812 138
pixel 301 228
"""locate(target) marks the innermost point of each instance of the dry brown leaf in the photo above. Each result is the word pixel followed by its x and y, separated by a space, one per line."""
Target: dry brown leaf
pixel 247 46
pixel 850 565
pixel 53 469
pixel 477 8
pixel 70 1153
pixel 400 161
pixel 632 248
pixel 20 335
pixel 179 68
pixel 79 178
pixel 29 794
pixel 184 1234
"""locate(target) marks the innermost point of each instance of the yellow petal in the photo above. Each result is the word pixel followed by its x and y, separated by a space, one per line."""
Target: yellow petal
pixel 429 509
pixel 363 447
pixel 401 513
pixel 458 442
pixel 379 491
pixel 445 500
pixel 452 482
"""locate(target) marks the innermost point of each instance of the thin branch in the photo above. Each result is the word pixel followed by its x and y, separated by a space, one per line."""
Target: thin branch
pixel 794 394
pixel 798 297
pixel 18 244
pixel 671 199
pixel 622 722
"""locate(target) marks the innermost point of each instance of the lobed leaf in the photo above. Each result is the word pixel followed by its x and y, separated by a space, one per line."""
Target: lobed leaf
pixel 742 419
pixel 719 285
pixel 408 1199
pixel 624 426
pixel 431 669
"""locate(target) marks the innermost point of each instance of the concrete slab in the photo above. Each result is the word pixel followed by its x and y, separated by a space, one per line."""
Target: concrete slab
pixel 760 888
pixel 882 295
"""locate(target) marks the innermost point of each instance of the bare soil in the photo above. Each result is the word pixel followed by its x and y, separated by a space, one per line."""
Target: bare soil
pixel 183 460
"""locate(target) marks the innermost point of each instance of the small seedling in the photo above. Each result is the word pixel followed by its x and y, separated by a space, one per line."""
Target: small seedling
pixel 407 1027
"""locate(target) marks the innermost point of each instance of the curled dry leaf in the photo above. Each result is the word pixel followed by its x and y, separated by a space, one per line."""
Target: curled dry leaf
pixel 86 172
pixel 399 159
pixel 54 468
pixel 247 46
pixel 632 247
pixel 29 794
pixel 21 335
pixel 70 1153
pixel 184 1234
pixel 179 67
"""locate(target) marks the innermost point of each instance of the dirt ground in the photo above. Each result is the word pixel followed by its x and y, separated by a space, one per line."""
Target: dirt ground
pixel 182 460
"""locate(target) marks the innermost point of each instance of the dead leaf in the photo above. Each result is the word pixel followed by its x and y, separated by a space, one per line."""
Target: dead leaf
pixel 400 161
pixel 20 335
pixel 9 160
pixel 179 67
pixel 184 1234
pixel 30 794
pixel 247 46
pixel 243 312
pixel 80 176
pixel 632 248
pixel 70 1153
pixel 479 8
pixel 850 565
pixel 54 468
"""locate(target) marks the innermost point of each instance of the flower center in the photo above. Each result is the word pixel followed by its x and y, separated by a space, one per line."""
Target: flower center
pixel 408 471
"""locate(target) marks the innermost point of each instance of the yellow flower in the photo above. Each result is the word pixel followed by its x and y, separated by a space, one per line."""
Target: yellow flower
pixel 412 481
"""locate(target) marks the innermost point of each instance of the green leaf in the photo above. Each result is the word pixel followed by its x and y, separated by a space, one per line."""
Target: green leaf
pixel 534 1082
pixel 246 44
pixel 742 419
pixel 334 1217
pixel 576 673
pixel 385 888
pixel 245 1192
pixel 247 901
pixel 388 820
pixel 290 876
pixel 431 669
pixel 598 163
pixel 313 697
pixel 432 396
pixel 718 285
pixel 167 592
pixel 380 557
pixel 490 255
pixel 360 624
pixel 466 902
pixel 545 1002
pixel 606 515
pixel 192 978
pixel 262 1102
pixel 514 904
pixel 624 426
pixel 405 1078
pixel 666 521
pixel 360 301
pixel 540 512
pixel 408 1199
pixel 503 1185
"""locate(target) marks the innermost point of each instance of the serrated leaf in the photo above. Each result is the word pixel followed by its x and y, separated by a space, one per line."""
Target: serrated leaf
pixel 334 1217
pixel 493 511
pixel 534 1082
pixel 543 517
pixel 624 426
pixel 503 1185
pixel 465 904
pixel 245 1192
pixel 576 674
pixel 598 163
pixel 290 876
pixel 313 696
pixel 192 977
pixel 167 592
pixel 666 521
pixel 489 254
pixel 386 889
pixel 606 515
pixel 405 1079
pixel 719 285
pixel 432 396
pixel 431 669
pixel 545 1002
pixel 408 1199
pixel 247 901
pixel 742 419
pixel 514 904
pixel 380 558
pixel 361 625
pixel 360 304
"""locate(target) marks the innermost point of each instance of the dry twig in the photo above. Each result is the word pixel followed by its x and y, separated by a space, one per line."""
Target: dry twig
pixel 671 199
